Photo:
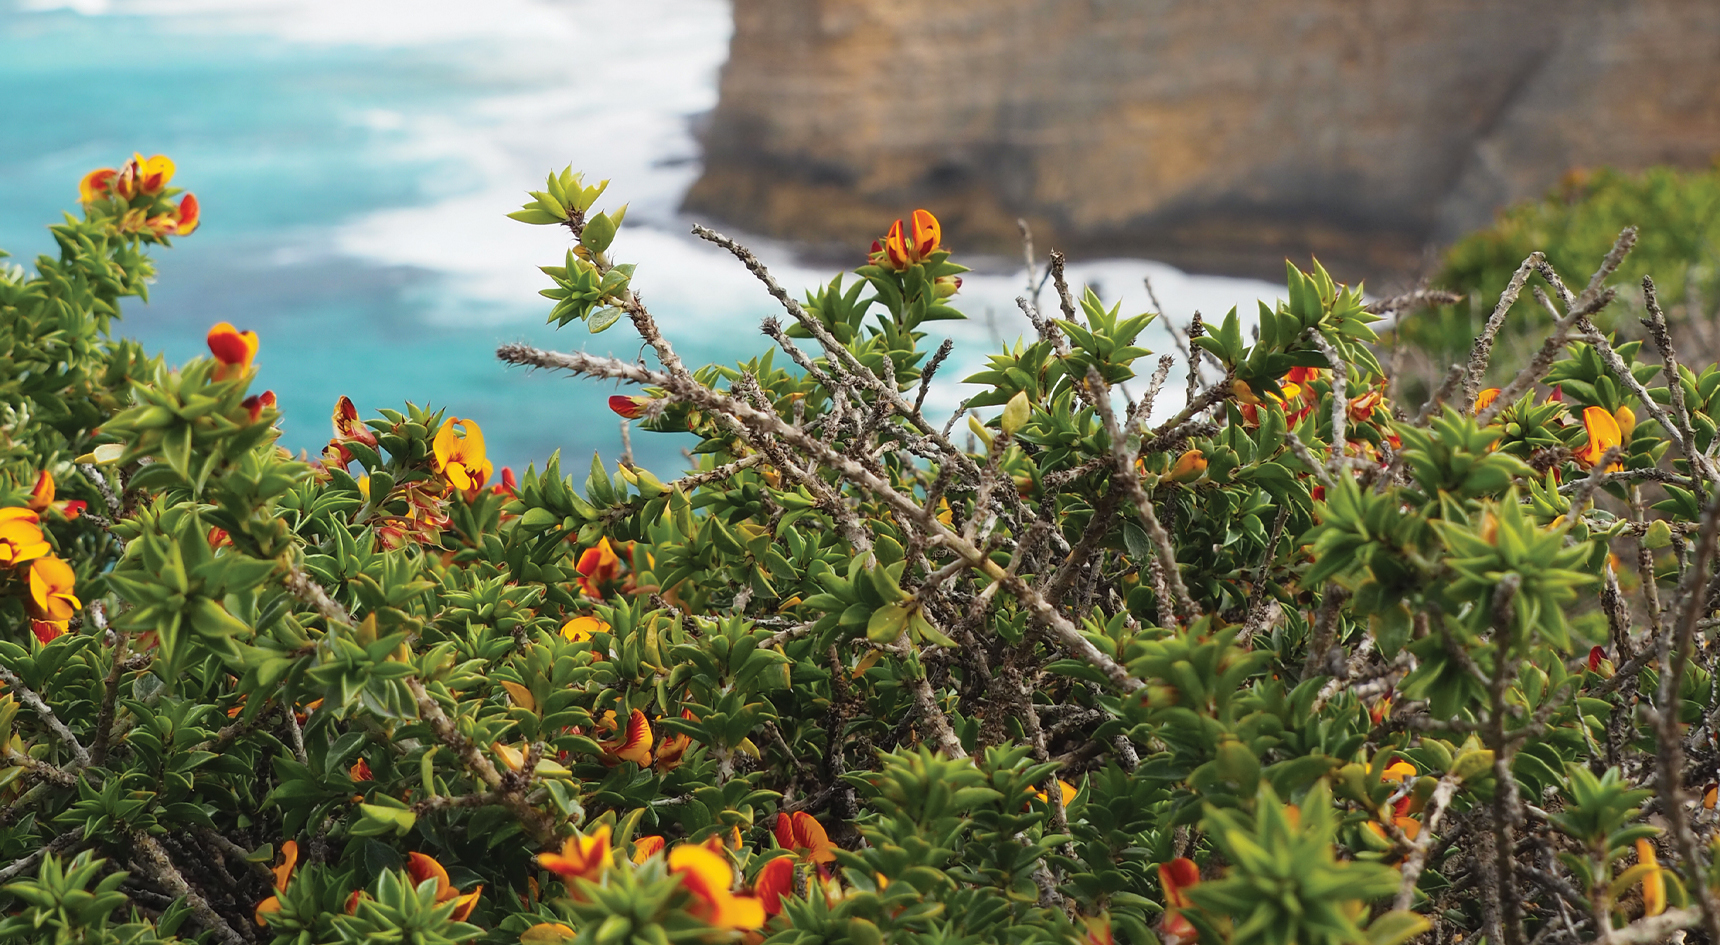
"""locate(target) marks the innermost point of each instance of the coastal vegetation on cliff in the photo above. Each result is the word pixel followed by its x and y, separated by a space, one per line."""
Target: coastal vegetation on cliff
pixel 1297 663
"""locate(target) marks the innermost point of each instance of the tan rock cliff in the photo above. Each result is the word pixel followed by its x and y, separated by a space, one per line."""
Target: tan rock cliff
pixel 1217 134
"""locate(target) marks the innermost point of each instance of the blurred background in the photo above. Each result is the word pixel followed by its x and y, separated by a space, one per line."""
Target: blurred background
pixel 355 161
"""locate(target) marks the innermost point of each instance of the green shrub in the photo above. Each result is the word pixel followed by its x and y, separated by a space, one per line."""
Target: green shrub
pixel 1286 667
pixel 1676 213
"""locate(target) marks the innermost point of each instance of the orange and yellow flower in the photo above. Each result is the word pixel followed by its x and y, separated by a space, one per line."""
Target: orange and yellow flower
pixel 235 350
pixel 460 458
pixel 423 868
pixel 180 222
pixel 1177 877
pixel 48 631
pixel 634 744
pixel 1604 434
pixel 283 874
pixel 42 499
pixel 597 566
pixel 802 833
pixel 647 847
pixel 709 880
pixel 21 536
pixel 775 881
pixel 1064 788
pixel 1485 399
pixel 96 184
pixel 1188 467
pixel 1361 409
pixel 582 856
pixel 257 403
pixel 52 583
pixel 674 747
pixel 152 174
pixel 1653 884
pixel 901 248
pixel 631 407
pixel 580 629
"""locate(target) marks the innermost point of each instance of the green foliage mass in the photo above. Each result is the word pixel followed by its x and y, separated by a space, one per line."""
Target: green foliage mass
pixel 1289 666
pixel 1677 214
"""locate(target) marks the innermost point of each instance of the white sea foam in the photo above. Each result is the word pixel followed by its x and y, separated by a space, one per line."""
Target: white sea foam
pixel 611 89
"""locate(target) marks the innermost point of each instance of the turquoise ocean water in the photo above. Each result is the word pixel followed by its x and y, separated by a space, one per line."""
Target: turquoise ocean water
pixel 354 159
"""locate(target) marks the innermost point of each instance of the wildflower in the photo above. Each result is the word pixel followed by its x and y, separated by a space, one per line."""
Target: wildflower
pixel 547 933
pixel 598 565
pixel 1485 399
pixel 178 223
pixel 1626 419
pixel 151 174
pixel 20 536
pixel 634 744
pixel 1603 433
pixel 347 426
pixel 42 498
pixel 775 881
pixel 631 407
pixel 1361 409
pixel 96 184
pixel 582 856
pixel 708 879
pixel 283 874
pixel 900 249
pixel 1599 664
pixel 1064 788
pixel 257 403
pixel 423 868
pixel 509 486
pixel 1653 884
pixel 1177 877
pixel 460 459
pixel 233 348
pixel 647 847
pixel 360 770
pixel 1098 931
pixel 674 746
pixel 802 833
pixel 1188 467
pixel 1399 771
pixel 48 631
pixel 580 629
pixel 51 586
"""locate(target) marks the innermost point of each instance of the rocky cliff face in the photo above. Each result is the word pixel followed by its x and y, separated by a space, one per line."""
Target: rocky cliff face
pixel 1221 135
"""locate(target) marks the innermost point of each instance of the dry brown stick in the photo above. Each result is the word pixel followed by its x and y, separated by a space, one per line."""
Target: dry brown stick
pixel 768 424
pixel 159 867
pixel 1649 931
pixel 1124 476
pixel 1543 360
pixel 1482 352
pixel 59 844
pixel 36 704
pixel 1340 402
pixel 110 698
pixel 1675 654
pixel 1447 387
pixel 1656 323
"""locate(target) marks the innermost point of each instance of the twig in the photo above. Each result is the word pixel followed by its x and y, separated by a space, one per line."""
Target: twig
pixel 1482 352
pixel 35 703
pixel 155 862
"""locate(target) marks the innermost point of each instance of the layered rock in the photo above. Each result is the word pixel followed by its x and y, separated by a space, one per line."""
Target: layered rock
pixel 1216 134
